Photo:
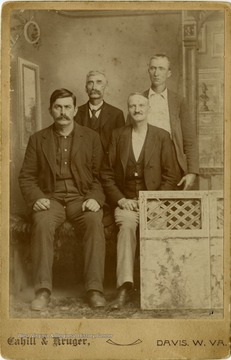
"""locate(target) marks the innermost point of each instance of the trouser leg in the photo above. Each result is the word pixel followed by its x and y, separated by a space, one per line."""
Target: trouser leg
pixel 89 225
pixel 127 221
pixel 44 224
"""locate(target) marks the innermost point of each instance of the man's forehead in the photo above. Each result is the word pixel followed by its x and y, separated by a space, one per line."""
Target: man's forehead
pixel 67 100
pixel 137 99
pixel 159 61
pixel 97 77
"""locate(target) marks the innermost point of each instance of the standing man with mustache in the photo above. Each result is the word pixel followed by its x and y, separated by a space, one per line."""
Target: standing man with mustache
pixel 59 180
pixel 96 113
pixel 140 157
pixel 169 111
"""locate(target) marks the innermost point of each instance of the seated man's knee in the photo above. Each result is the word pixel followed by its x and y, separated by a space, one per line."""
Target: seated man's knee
pixel 127 225
pixel 93 218
pixel 41 219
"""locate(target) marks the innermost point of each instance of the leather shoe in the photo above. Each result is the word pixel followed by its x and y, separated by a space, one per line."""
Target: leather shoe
pixel 121 299
pixel 95 299
pixel 41 300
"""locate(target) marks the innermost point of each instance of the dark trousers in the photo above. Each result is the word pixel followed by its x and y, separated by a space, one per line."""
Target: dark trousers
pixel 88 225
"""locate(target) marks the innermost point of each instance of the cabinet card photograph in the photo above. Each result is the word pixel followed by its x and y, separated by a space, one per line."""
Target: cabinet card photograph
pixel 115 180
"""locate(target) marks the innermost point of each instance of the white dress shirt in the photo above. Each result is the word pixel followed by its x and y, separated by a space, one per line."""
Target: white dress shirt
pixel 138 143
pixel 97 108
pixel 159 111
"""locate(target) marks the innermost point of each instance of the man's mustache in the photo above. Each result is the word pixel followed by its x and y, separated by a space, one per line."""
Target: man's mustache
pixel 63 117
pixel 138 113
pixel 95 92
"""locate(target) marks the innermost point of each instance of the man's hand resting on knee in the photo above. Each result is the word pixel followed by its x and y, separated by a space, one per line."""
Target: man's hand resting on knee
pixel 128 204
pixel 90 205
pixel 41 204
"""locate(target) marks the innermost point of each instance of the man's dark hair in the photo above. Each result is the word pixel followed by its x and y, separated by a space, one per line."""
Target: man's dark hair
pixel 60 94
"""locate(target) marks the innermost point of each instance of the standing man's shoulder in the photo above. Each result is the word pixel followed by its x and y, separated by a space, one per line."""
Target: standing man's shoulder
pixel 160 133
pixel 175 96
pixel 112 108
pixel 82 107
pixel 85 130
pixel 81 114
pixel 115 117
pixel 121 131
pixel 171 94
pixel 145 93
pixel 88 133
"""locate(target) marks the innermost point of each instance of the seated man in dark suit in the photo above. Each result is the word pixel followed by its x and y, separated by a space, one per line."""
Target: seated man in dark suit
pixel 96 113
pixel 140 157
pixel 59 180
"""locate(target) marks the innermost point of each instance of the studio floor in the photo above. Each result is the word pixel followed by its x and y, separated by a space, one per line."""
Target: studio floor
pixel 70 302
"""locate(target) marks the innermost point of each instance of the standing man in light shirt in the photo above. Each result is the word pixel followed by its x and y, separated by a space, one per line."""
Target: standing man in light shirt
pixel 96 113
pixel 169 111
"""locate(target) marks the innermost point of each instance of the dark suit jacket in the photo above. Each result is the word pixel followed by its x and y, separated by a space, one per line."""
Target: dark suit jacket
pixel 37 176
pixel 160 167
pixel 183 133
pixel 111 118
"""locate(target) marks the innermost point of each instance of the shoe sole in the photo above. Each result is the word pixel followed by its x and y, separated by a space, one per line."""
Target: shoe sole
pixel 39 308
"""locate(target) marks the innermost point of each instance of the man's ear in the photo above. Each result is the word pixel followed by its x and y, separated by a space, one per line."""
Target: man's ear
pixel 169 73
pixel 49 109
pixel 76 109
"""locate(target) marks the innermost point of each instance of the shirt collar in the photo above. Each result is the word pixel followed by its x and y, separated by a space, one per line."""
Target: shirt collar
pixel 95 107
pixel 56 133
pixel 163 94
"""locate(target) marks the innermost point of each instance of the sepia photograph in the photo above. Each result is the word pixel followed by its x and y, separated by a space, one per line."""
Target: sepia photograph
pixel 116 191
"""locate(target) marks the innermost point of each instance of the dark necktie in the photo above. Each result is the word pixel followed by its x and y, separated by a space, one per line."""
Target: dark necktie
pixel 95 121
pixel 93 112
pixel 93 117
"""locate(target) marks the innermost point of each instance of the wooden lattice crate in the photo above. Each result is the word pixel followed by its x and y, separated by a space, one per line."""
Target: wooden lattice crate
pixel 181 249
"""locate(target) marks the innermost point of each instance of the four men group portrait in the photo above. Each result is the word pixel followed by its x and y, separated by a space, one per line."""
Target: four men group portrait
pixel 91 161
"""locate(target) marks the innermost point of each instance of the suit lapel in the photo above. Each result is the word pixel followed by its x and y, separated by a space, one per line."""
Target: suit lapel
pixel 48 146
pixel 124 146
pixel 125 143
pixel 145 93
pixel 104 115
pixel 172 105
pixel 84 114
pixel 77 139
pixel 150 144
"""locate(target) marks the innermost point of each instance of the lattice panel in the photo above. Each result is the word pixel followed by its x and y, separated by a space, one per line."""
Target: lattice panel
pixel 220 213
pixel 175 214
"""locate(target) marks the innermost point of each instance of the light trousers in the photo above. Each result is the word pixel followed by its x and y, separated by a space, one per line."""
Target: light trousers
pixel 127 221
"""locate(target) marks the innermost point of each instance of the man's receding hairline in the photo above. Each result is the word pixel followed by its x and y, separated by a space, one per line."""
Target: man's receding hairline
pixel 136 94
pixel 160 56
pixel 95 73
